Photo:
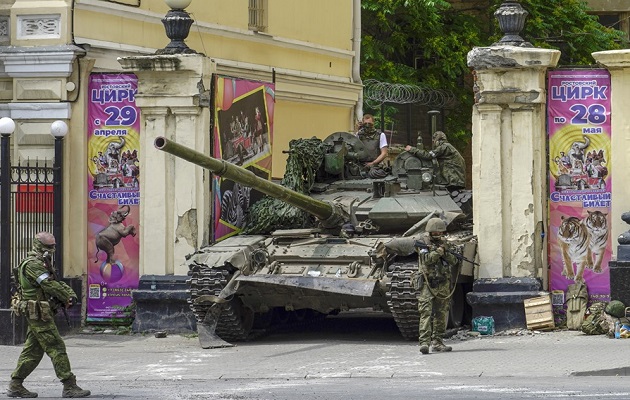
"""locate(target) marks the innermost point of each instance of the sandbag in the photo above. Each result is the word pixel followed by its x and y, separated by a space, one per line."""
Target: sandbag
pixel 577 299
pixel 596 322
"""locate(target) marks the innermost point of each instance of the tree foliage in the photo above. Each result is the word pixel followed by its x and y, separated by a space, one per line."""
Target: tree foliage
pixel 436 36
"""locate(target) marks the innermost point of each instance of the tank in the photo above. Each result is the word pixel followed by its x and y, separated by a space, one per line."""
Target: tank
pixel 325 240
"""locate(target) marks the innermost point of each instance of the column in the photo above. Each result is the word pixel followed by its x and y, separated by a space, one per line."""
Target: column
pixel 509 178
pixel 175 195
pixel 618 63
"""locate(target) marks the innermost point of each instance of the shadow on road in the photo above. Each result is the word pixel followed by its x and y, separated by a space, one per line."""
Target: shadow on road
pixel 349 326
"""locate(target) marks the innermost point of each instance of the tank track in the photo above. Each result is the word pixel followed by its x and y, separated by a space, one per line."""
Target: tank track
pixel 232 325
pixel 402 300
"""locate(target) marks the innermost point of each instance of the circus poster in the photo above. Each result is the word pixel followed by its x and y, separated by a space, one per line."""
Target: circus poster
pixel 580 182
pixel 243 135
pixel 113 202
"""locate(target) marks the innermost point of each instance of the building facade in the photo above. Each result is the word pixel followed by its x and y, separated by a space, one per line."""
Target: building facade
pixel 49 49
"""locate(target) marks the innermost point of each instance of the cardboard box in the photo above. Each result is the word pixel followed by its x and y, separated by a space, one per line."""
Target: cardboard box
pixel 539 313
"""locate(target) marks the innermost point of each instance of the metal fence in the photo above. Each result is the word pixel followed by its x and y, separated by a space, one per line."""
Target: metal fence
pixel 31 204
pixel 26 207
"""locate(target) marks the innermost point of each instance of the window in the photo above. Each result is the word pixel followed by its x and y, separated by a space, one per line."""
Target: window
pixel 257 15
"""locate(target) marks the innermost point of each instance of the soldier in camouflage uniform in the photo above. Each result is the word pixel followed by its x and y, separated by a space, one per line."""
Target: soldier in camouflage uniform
pixel 451 165
pixel 434 298
pixel 39 289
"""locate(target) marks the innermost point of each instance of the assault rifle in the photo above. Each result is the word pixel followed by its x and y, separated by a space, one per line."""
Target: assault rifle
pixel 423 246
pixel 55 302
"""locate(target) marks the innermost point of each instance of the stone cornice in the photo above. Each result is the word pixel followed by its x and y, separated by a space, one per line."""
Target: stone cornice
pixel 511 57
pixel 613 59
pixel 294 85
pixel 41 61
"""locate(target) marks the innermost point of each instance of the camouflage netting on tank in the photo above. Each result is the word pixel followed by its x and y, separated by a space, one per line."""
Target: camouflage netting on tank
pixel 269 214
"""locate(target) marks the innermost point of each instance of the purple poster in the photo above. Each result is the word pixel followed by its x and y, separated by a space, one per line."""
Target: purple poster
pixel 113 195
pixel 580 171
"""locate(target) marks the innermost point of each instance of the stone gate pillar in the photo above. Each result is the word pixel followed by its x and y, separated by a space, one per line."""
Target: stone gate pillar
pixel 618 63
pixel 173 96
pixel 509 178
pixel 175 195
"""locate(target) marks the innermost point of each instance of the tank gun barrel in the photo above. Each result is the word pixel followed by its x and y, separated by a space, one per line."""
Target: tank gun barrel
pixel 322 210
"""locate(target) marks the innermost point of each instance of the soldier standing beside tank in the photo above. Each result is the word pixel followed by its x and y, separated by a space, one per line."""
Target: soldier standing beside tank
pixel 39 291
pixel 375 145
pixel 435 287
pixel 451 165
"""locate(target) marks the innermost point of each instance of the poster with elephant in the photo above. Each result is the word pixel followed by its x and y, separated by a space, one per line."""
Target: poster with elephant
pixel 243 133
pixel 580 182
pixel 113 196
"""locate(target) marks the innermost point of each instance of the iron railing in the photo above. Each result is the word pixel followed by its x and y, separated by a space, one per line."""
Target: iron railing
pixel 26 200
pixel 31 204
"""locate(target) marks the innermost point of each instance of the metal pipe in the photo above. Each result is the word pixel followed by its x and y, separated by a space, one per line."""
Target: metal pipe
pixel 58 204
pixel 5 224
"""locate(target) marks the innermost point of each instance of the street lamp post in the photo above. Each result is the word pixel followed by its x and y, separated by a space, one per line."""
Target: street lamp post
pixel 58 130
pixel 7 127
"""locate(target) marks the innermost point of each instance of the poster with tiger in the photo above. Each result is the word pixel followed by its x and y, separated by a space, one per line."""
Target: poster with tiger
pixel 580 181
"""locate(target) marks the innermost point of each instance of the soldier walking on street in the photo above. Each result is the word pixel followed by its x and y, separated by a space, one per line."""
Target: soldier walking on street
pixel 38 293
pixel 435 289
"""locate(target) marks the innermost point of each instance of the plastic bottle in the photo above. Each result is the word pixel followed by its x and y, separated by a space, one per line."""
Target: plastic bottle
pixel 617 330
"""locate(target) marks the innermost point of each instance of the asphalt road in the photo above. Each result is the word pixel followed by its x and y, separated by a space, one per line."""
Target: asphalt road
pixel 348 357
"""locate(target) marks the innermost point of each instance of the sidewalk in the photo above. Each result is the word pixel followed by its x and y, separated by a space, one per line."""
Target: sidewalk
pixel 317 354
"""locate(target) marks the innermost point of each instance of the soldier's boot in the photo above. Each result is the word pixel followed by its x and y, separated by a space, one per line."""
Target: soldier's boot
pixel 424 349
pixel 16 389
pixel 70 388
pixel 439 347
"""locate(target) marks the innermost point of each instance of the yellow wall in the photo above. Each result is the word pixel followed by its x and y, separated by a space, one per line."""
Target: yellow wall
pixel 290 122
pixel 307 47
pixel 311 42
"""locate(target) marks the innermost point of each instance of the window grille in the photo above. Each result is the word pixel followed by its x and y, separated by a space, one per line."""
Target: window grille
pixel 257 15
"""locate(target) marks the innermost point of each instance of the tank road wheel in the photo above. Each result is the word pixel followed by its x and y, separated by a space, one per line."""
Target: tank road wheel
pixel 402 300
pixel 235 321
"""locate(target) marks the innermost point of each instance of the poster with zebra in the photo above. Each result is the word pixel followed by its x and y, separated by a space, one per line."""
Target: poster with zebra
pixel 243 133
pixel 580 182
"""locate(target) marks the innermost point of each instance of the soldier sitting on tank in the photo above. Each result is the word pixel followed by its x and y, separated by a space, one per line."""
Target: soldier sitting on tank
pixel 434 286
pixel 451 166
pixel 375 145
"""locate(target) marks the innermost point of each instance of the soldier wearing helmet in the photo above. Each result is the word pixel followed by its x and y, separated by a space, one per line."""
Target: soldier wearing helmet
pixel 451 166
pixel 38 292
pixel 435 262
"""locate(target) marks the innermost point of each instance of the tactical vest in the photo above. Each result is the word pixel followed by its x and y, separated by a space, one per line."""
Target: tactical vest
pixel 440 270
pixel 29 290
pixel 371 142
